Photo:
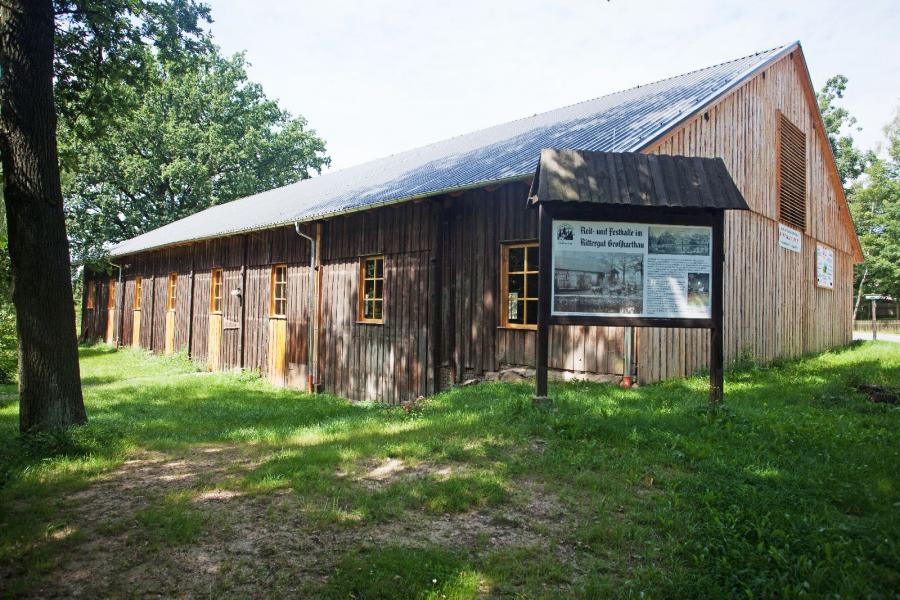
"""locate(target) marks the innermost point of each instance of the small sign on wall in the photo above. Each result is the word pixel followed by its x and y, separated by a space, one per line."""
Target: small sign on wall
pixel 789 239
pixel 824 267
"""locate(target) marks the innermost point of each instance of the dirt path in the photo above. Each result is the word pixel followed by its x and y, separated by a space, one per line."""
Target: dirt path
pixel 250 545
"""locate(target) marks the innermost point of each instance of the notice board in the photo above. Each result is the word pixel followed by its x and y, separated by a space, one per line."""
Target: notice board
pixel 622 269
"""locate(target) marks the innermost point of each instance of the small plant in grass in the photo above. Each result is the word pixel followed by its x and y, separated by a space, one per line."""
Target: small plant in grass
pixel 403 572
pixel 172 521
pixel 248 375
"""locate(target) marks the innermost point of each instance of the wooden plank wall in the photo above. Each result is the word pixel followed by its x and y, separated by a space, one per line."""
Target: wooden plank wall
pixel 93 321
pixel 478 222
pixel 772 305
pixel 386 362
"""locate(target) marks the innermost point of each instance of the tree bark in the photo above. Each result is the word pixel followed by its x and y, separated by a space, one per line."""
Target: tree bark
pixel 859 292
pixel 49 380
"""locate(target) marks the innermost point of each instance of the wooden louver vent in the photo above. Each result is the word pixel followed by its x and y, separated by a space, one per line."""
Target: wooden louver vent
pixel 792 174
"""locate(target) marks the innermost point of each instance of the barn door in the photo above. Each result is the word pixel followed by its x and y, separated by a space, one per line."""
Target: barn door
pixel 277 324
pixel 214 347
pixel 171 299
pixel 111 313
pixel 136 330
pixel 136 320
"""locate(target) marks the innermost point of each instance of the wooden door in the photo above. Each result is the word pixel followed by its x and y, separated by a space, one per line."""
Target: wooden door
pixel 111 313
pixel 278 291
pixel 170 331
pixel 136 330
pixel 277 339
pixel 214 352
pixel 111 326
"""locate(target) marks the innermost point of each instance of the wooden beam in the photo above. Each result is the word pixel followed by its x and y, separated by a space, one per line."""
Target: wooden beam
pixel 542 347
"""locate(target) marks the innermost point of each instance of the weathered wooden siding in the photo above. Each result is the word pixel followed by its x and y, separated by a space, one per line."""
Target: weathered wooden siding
pixel 772 305
pixel 386 362
pixel 477 223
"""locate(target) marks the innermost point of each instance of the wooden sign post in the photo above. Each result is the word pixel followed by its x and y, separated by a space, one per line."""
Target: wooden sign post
pixel 655 261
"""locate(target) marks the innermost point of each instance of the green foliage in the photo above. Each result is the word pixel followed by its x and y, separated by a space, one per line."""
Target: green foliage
pixel 851 161
pixel 875 206
pixel 102 52
pixel 9 359
pixel 200 134
pixel 791 491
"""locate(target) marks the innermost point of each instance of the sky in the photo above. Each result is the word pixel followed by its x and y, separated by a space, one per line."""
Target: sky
pixel 377 78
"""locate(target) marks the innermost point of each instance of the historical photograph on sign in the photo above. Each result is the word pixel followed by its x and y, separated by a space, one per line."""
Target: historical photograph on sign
pixel 698 290
pixel 679 240
pixel 609 283
pixel 631 269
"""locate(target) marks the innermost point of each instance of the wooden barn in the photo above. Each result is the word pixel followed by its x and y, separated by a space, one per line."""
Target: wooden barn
pixel 399 277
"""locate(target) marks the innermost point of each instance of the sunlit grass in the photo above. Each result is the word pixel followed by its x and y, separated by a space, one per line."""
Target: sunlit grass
pixel 790 489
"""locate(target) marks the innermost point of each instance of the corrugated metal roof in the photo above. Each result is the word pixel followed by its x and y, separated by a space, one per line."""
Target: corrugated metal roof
pixel 624 121
pixel 635 179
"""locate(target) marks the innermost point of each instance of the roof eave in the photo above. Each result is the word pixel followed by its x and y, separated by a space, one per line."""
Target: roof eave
pixel 327 215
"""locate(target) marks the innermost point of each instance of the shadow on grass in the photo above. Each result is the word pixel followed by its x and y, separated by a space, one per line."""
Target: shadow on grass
pixel 796 464
pixel 95 350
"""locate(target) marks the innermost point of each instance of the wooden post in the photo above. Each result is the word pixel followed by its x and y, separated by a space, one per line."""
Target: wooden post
pixel 541 349
pixel 190 331
pixel 437 292
pixel 152 309
pixel 716 345
pixel 120 302
pixel 241 300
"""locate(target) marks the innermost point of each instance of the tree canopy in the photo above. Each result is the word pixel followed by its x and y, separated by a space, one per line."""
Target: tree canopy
pixel 851 161
pixel 102 50
pixel 875 206
pixel 198 133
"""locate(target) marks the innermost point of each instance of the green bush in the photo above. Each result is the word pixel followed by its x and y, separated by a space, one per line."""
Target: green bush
pixel 8 344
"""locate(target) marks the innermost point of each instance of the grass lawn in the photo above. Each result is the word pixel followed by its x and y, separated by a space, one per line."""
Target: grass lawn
pixel 185 483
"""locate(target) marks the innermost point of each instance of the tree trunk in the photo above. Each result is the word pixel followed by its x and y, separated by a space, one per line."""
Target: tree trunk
pixel 859 292
pixel 49 380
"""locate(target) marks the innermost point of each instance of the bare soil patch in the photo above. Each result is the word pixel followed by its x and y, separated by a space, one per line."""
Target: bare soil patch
pixel 258 545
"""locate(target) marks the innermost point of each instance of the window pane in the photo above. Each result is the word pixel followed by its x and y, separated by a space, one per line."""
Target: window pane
pixel 532 286
pixel 516 259
pixel 379 271
pixel 515 308
pixel 533 258
pixel 531 312
pixel 370 267
pixel 377 309
pixel 517 285
pixel 369 289
pixel 379 288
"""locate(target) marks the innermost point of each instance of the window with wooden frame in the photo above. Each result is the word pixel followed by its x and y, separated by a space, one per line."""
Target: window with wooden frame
pixel 111 299
pixel 215 291
pixel 137 292
pixel 791 174
pixel 172 292
pixel 371 289
pixel 90 289
pixel 278 291
pixel 519 285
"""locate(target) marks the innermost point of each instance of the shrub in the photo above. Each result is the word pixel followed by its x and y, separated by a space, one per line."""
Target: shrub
pixel 9 360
